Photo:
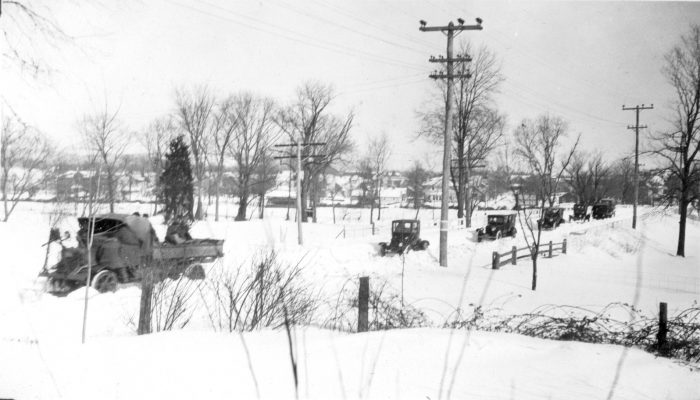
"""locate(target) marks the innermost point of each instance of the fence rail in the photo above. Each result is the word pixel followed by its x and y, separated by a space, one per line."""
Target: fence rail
pixel 511 257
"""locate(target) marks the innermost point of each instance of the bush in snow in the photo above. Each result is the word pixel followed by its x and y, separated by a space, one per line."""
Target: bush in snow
pixel 266 294
pixel 172 303
pixel 579 324
pixel 386 310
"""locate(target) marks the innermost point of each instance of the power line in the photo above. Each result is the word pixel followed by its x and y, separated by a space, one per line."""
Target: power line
pixel 336 24
pixel 243 20
pixel 382 28
pixel 393 85
pixel 539 98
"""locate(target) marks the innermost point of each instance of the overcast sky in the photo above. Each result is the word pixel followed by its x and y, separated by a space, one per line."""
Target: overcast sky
pixel 578 60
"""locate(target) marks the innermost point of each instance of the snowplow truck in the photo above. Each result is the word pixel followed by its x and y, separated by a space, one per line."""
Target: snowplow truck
pixel 116 248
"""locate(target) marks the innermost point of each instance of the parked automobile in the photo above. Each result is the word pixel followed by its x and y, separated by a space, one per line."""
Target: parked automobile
pixel 605 208
pixel 580 213
pixel 405 235
pixel 497 226
pixel 552 218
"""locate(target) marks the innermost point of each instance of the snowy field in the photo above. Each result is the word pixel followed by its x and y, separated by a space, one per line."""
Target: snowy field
pixel 607 262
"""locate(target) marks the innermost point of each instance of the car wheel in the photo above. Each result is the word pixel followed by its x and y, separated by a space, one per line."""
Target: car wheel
pixel 514 232
pixel 498 235
pixel 382 250
pixel 195 272
pixel 105 281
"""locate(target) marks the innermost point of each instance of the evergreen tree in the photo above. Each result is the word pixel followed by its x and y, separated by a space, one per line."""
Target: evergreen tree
pixel 176 189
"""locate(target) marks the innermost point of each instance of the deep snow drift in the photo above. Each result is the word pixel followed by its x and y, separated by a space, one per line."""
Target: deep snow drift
pixel 607 262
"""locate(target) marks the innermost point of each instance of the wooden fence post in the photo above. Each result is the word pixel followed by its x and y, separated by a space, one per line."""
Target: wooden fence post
pixel 495 260
pixel 563 247
pixel 343 231
pixel 363 305
pixel 661 342
pixel 550 249
pixel 372 228
pixel 514 255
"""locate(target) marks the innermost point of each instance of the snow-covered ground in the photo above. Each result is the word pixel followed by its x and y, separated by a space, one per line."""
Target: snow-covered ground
pixel 607 262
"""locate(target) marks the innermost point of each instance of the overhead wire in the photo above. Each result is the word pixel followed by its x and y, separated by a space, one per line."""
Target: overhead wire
pixel 383 84
pixel 241 19
pixel 561 105
pixel 383 28
pixel 289 7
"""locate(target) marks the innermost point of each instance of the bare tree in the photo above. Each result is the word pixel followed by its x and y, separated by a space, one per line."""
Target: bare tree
pixel 23 150
pixel 621 182
pixel 107 139
pixel 30 34
pixel 224 124
pixel 265 178
pixel 579 177
pixel 588 174
pixel 366 173
pixel 600 174
pixel 308 120
pixel 194 114
pixel 379 152
pixel 477 128
pixel 680 148
pixel 537 144
pixel 253 134
pixel 156 140
pixel 416 178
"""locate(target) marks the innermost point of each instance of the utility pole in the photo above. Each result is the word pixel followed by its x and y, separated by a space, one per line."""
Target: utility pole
pixel 636 128
pixel 298 147
pixel 450 30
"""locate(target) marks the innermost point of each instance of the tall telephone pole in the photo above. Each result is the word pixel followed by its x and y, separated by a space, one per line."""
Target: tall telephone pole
pixel 298 157
pixel 636 128
pixel 450 30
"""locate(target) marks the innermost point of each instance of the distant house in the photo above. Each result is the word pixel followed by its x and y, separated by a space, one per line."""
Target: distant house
pixel 75 184
pixel 281 197
pixel 394 179
pixel 433 193
pixel 393 197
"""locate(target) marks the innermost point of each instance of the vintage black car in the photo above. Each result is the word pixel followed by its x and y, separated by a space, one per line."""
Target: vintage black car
pixel 497 226
pixel 405 236
pixel 552 218
pixel 605 208
pixel 580 213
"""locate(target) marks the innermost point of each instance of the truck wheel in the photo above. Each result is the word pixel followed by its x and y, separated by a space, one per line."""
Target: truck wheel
pixel 194 272
pixel 105 281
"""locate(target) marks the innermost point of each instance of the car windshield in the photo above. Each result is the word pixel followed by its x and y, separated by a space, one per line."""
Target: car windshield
pixel 101 225
pixel 403 227
pixel 497 219
pixel 552 213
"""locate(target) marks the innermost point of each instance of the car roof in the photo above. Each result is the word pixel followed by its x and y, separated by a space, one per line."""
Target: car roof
pixel 405 220
pixel 500 212
pixel 114 216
